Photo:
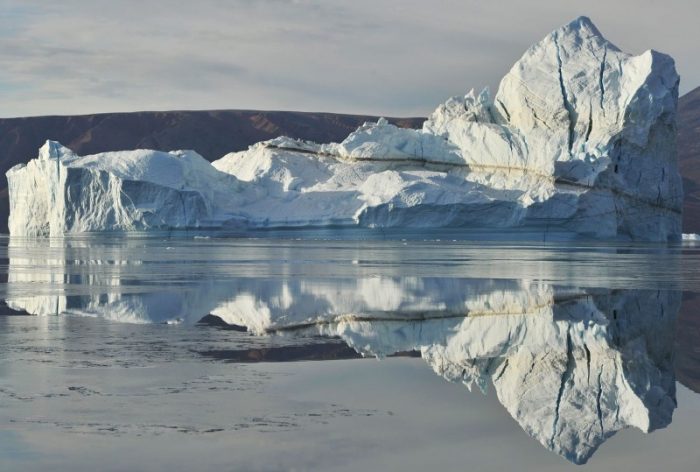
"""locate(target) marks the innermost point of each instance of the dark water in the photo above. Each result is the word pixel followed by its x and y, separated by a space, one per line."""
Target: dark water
pixel 205 353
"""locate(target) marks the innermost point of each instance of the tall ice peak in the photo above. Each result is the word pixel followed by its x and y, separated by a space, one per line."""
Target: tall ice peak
pixel 53 150
pixel 581 27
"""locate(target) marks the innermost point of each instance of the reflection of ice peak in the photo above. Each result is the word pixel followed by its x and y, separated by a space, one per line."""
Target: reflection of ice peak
pixel 571 400
pixel 572 372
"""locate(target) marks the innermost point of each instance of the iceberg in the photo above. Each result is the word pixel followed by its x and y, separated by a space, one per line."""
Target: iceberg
pixel 579 139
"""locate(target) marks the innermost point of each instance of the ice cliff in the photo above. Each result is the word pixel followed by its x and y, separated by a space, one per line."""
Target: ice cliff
pixel 579 139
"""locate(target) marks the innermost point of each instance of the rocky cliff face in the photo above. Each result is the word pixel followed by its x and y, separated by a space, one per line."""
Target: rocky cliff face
pixel 689 158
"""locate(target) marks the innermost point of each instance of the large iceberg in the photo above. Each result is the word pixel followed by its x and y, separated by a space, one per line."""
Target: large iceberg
pixel 579 139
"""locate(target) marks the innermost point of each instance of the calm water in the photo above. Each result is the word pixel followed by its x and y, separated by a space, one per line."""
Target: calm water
pixel 206 353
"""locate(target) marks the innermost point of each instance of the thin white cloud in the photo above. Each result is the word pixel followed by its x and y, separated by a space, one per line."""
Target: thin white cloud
pixel 392 57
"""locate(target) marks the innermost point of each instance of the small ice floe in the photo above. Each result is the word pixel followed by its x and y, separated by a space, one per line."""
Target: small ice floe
pixel 691 237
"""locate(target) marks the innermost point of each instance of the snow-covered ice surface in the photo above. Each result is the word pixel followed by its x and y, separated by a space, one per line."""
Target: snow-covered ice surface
pixel 576 341
pixel 579 139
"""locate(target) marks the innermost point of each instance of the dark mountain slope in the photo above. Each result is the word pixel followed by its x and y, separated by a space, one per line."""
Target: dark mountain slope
pixel 689 157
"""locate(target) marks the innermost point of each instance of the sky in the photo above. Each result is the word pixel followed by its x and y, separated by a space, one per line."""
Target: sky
pixel 383 57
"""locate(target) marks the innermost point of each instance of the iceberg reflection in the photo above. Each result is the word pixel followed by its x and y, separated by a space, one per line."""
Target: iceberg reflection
pixel 572 368
pixel 572 365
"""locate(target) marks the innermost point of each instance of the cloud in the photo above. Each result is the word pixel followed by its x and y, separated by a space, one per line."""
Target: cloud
pixel 392 57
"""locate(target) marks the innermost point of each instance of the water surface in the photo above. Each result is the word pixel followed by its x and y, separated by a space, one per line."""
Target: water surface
pixel 180 352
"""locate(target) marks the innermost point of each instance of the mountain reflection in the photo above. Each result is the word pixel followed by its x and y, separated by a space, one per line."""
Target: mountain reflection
pixel 571 365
